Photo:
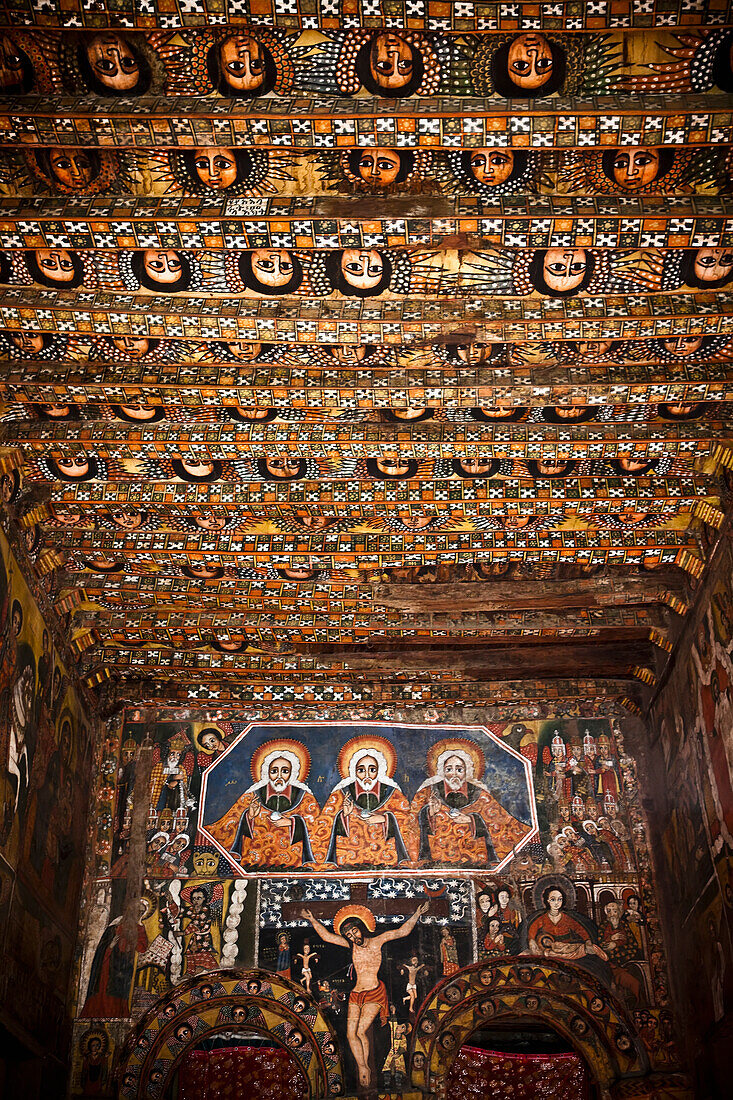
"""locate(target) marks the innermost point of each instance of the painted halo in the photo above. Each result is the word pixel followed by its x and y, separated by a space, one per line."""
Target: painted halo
pixel 461 746
pixel 523 175
pixel 77 74
pixel 283 746
pixel 352 65
pixel 490 73
pixel 364 742
pixel 104 168
pixel 413 170
pixel 204 68
pixel 351 912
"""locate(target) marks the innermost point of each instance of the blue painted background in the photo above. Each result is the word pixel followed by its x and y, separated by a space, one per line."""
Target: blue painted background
pixel 226 781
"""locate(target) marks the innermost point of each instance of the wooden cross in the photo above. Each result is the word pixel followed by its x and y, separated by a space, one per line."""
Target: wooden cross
pixel 381 907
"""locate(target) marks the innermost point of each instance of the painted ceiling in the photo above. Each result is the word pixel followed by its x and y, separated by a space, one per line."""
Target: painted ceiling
pixel 361 350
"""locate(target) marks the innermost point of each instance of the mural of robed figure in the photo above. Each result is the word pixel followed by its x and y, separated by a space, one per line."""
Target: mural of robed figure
pixel 271 824
pixel 460 821
pixel 366 819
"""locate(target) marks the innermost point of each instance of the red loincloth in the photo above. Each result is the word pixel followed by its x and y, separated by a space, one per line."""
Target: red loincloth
pixel 376 996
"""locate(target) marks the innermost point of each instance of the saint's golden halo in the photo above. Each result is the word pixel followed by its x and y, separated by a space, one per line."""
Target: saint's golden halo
pixel 281 744
pixel 367 741
pixel 451 744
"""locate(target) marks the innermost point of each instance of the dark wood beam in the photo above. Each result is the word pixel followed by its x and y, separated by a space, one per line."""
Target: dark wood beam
pixel 598 591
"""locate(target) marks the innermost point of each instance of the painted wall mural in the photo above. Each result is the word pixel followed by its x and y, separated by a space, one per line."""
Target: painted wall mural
pixel 694 821
pixel 365 862
pixel 45 768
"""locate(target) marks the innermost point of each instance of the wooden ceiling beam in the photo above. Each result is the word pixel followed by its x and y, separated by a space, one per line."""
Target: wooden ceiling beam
pixel 593 592
pixel 392 321
pixel 442 221
pixel 298 122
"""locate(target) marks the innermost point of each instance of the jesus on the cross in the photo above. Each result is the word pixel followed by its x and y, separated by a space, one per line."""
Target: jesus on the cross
pixel 368 999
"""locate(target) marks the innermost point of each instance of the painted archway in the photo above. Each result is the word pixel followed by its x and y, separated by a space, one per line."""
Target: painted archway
pixel 257 1000
pixel 571 1000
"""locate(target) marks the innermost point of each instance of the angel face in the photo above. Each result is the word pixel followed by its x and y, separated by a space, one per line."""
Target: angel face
pixel 229 645
pixel 216 168
pixel 591 349
pixel 415 522
pixel 412 412
pixel 30 343
pixel 273 267
pixel 112 61
pixel 252 414
pixel 492 167
pixel 380 167
pixel 55 412
pixel 243 63
pixel 496 412
pixel 391 61
pixel 635 167
pixel 564 268
pixel 15 67
pixel 713 264
pixel 283 467
pixel 197 469
pixel 246 353
pixel 75 469
pixel 314 523
pixel 139 412
pixel 204 572
pixel 474 353
pixel 134 346
pixel 475 467
pixel 362 269
pixel 570 412
pixel 68 519
pixel 679 411
pixel 633 465
pixel 298 573
pixel 682 345
pixel 530 61
pixel 393 465
pixel 56 264
pixel 210 522
pixel 162 266
pixel 550 469
pixel 73 169
pixel 344 353
pixel 126 520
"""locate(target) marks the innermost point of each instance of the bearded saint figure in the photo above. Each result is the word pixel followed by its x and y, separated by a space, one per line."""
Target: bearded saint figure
pixel 459 819
pixel 271 824
pixel 366 819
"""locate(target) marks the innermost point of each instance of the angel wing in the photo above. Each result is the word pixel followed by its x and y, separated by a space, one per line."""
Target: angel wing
pixel 601 61
pixel 488 272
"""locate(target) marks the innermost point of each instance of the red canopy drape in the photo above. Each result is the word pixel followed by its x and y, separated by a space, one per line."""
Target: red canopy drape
pixel 241 1073
pixel 477 1073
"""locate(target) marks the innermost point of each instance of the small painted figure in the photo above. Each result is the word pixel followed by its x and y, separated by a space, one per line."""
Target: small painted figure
pixel 411 970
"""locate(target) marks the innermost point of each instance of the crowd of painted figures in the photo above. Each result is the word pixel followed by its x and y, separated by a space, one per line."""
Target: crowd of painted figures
pixel 366 820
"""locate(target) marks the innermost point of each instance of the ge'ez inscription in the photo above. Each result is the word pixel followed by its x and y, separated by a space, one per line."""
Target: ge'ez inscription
pixel 242 208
